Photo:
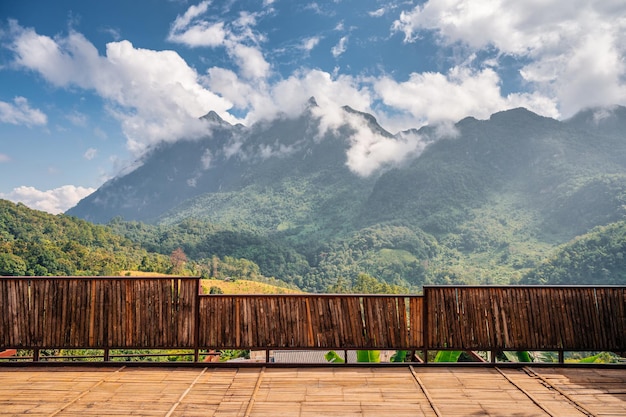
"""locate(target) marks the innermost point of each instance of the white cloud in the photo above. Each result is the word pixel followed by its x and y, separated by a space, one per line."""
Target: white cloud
pixel 371 151
pixel 462 92
pixel 20 113
pixel 315 8
pixel 340 48
pixel 115 33
pixel 377 13
pixel 206 159
pixel 250 61
pixel 200 34
pixel 53 201
pixel 193 30
pixel 4 158
pixel 575 49
pixel 568 63
pixel 90 154
pixel 155 94
pixel 309 43
pixel 182 22
pixel 289 96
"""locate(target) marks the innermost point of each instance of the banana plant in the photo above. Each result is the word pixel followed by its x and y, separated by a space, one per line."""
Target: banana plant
pixel 448 356
pixel 518 356
pixel 361 356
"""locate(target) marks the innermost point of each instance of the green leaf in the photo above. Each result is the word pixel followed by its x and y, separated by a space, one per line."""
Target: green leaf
pixel 368 355
pixel 333 357
pixel 448 356
pixel 399 356
pixel 518 356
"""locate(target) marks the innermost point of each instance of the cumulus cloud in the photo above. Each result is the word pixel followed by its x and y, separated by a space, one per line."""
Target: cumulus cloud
pixel 575 49
pixel 571 55
pixel 53 201
pixel 250 61
pixel 155 94
pixel 20 113
pixel 433 96
pixel 289 96
pixel 369 150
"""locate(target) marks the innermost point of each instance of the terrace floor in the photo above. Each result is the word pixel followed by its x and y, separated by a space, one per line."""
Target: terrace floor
pixel 324 391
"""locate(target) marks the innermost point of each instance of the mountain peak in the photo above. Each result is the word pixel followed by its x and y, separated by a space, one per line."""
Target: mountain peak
pixel 519 112
pixel 215 118
pixel 311 102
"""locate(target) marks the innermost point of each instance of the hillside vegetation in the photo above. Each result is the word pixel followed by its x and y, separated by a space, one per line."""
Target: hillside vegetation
pixel 37 243
pixel 34 243
pixel 485 202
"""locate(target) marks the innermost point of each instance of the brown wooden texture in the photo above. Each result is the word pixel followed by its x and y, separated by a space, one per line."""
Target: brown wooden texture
pixel 310 321
pixel 312 392
pixel 168 312
pixel 526 318
pixel 97 312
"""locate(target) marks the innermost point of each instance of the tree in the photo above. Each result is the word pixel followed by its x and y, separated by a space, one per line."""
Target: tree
pixel 11 265
pixel 178 259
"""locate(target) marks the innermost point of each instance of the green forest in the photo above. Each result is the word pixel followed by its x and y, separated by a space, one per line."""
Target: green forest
pixel 515 199
pixel 388 258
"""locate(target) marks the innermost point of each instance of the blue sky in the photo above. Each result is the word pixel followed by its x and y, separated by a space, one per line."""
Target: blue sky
pixel 87 86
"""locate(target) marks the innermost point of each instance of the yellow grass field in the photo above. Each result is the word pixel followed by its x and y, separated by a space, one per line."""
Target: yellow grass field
pixel 228 287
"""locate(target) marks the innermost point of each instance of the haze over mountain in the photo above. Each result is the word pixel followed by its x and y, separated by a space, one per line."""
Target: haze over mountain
pixel 497 195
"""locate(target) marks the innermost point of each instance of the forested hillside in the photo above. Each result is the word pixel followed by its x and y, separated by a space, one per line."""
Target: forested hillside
pixel 37 243
pixel 483 201
pixel 596 258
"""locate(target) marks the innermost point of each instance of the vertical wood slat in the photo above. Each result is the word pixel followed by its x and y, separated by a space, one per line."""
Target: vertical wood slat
pixel 311 321
pixel 527 318
pixel 49 312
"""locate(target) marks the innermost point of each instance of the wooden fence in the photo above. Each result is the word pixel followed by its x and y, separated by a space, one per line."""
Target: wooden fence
pixel 110 312
pixel 139 313
pixel 526 318
pixel 311 321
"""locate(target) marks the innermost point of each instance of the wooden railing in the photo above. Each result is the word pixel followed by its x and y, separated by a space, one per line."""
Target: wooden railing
pixel 140 313
pixel 109 312
pixel 526 318
pixel 311 321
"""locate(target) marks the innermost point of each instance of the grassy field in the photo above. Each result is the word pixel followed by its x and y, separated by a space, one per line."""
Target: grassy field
pixel 228 287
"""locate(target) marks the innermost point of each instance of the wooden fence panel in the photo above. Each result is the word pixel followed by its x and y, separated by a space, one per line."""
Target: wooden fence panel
pixel 155 313
pixel 310 321
pixel 87 312
pixel 15 320
pixel 121 312
pixel 526 318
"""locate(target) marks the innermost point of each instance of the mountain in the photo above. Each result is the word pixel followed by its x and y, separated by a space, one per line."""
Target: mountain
pixel 595 258
pixel 37 243
pixel 277 175
pixel 480 201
